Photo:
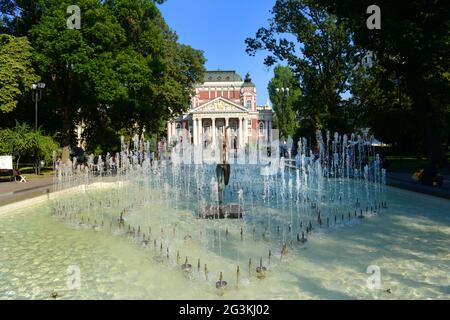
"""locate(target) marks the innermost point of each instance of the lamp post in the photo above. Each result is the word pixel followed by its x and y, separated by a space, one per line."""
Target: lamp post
pixel 283 90
pixel 36 94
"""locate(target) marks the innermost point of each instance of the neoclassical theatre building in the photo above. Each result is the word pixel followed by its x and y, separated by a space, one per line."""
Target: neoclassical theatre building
pixel 223 100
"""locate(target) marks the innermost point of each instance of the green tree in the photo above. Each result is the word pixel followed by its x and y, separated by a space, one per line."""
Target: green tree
pixel 379 101
pixel 17 16
pixel 77 65
pixel 22 141
pixel 414 45
pixel 124 69
pixel 41 148
pixel 16 72
pixel 161 84
pixel 284 102
pixel 16 141
pixel 5 145
pixel 320 53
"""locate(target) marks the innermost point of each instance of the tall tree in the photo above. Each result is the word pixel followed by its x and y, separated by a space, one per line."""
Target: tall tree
pixel 160 86
pixel 123 69
pixel 16 72
pixel 284 101
pixel 379 101
pixel 22 140
pixel 77 65
pixel 17 16
pixel 414 44
pixel 318 50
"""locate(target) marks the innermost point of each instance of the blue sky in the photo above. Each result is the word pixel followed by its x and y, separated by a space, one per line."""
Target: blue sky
pixel 219 28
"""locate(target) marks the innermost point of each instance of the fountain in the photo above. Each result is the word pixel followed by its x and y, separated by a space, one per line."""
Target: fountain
pixel 223 171
pixel 186 267
pixel 128 222
pixel 221 284
pixel 261 270
pixel 247 209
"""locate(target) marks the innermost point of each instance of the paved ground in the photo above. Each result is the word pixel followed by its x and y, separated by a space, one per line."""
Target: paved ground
pixel 15 191
pixel 404 181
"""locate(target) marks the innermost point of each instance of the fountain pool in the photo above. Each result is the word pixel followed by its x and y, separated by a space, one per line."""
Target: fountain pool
pixel 410 243
pixel 131 229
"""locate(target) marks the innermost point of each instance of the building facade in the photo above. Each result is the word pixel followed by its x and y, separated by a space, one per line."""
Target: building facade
pixel 223 100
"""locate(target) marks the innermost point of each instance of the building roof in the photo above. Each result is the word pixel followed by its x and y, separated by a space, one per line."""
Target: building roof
pixel 222 76
pixel 248 81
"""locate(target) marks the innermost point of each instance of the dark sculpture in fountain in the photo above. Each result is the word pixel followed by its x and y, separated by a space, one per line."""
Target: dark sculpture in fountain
pixel 223 170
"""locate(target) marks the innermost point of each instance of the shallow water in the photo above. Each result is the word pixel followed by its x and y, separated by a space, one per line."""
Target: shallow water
pixel 409 241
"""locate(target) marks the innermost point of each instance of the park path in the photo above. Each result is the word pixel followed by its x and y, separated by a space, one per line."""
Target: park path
pixel 404 181
pixel 15 191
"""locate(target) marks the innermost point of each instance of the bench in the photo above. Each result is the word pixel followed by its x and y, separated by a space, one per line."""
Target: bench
pixel 13 173
pixel 6 173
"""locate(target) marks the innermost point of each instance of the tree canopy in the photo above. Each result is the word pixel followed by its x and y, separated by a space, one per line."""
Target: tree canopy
pixel 16 71
pixel 21 141
pixel 412 46
pixel 284 101
pixel 324 42
pixel 318 50
pixel 124 69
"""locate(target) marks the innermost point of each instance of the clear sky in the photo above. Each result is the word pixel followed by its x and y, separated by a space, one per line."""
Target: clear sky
pixel 219 28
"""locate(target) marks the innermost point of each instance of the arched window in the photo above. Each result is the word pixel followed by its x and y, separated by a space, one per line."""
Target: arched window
pixel 261 128
pixel 249 104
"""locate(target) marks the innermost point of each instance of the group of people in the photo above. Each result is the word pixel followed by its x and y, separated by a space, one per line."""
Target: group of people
pixel 435 179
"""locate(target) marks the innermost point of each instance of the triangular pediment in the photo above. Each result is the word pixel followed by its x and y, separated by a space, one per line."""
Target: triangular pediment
pixel 219 105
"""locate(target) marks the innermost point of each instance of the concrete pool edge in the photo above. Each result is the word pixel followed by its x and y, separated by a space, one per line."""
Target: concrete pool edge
pixel 15 206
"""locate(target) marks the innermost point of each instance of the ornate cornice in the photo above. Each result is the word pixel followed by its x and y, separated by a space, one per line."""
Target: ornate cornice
pixel 219 105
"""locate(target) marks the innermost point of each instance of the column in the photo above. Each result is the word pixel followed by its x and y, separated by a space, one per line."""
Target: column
pixel 168 132
pixel 194 130
pixel 270 130
pixel 244 132
pixel 197 129
pixel 200 131
pixel 266 128
pixel 213 131
pixel 239 128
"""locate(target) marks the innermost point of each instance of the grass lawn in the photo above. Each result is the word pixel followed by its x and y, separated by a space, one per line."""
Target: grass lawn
pixel 28 171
